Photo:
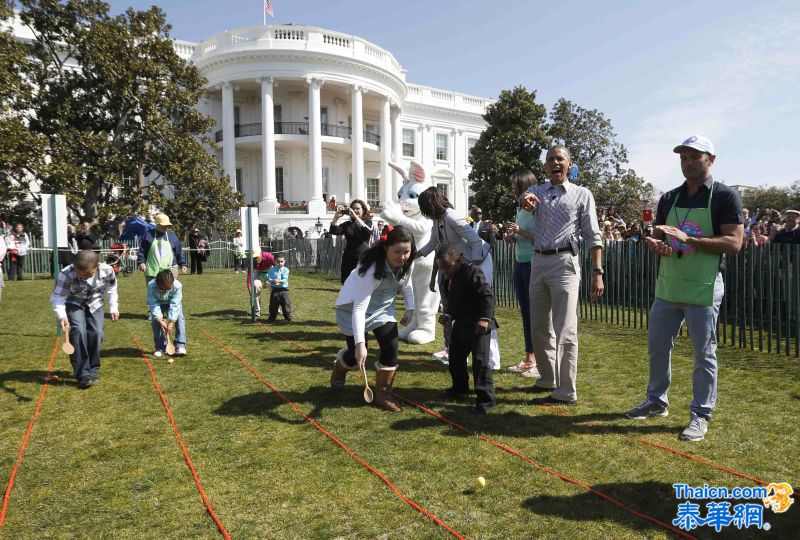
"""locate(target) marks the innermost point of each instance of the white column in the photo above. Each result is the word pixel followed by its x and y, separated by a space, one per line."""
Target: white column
pixel 357 141
pixel 269 204
pixel 228 134
pixel 386 145
pixel 397 150
pixel 315 203
pixel 455 148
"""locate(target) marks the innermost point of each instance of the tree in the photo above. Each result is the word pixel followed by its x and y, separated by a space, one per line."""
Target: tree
pixel 772 197
pixel 602 160
pixel 115 107
pixel 514 139
pixel 19 146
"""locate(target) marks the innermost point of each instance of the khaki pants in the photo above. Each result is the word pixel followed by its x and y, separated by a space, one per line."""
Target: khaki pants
pixel 554 291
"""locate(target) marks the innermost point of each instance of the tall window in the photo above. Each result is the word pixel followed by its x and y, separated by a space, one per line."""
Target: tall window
pixel 373 191
pixel 441 146
pixel 237 114
pixel 239 180
pixel 323 120
pixel 279 193
pixel 471 142
pixel 277 118
pixel 444 188
pixel 326 177
pixel 408 143
pixel 350 184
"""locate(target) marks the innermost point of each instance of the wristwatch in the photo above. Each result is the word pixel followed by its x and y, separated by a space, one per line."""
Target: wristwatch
pixel 599 271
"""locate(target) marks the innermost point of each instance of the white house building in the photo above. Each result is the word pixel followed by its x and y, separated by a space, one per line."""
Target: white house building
pixel 306 116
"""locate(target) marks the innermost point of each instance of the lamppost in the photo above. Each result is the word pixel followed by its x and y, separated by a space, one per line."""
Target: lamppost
pixel 318 226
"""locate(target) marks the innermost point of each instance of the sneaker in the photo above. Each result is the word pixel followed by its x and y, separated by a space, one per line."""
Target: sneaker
pixel 158 354
pixel 522 366
pixel 531 373
pixel 455 393
pixel 86 382
pixel 696 430
pixel 646 409
pixel 441 354
pixel 180 351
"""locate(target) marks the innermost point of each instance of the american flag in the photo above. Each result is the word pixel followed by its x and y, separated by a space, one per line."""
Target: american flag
pixel 268 8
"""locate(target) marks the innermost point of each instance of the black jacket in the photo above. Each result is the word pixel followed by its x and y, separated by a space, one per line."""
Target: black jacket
pixel 486 233
pixel 469 296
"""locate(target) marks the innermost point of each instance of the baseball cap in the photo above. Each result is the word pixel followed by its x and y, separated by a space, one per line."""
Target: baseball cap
pixel 698 142
pixel 163 220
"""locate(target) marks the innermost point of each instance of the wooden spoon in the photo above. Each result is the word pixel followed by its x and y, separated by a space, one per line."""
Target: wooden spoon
pixel 170 345
pixel 67 347
pixel 367 390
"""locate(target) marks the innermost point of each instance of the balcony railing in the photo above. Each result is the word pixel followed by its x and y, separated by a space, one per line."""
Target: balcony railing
pixel 299 128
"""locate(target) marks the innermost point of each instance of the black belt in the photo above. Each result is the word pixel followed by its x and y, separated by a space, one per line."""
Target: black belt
pixel 552 251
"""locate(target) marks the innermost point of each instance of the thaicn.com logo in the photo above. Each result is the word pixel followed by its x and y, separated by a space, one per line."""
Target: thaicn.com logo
pixel 720 512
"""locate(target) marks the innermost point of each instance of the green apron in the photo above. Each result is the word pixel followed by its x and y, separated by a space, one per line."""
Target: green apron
pixel 689 278
pixel 159 257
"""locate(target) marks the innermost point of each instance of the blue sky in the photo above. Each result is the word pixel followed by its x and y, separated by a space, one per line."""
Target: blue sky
pixel 659 70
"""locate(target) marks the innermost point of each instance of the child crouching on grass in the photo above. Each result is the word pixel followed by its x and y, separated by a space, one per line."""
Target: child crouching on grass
pixel 77 300
pixel 165 302
pixel 470 303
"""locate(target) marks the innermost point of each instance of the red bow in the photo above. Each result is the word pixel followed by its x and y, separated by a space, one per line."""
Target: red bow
pixel 386 231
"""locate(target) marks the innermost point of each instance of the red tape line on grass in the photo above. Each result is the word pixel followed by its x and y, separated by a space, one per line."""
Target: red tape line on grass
pixel 330 436
pixel 27 436
pixel 197 483
pixel 528 460
pixel 707 463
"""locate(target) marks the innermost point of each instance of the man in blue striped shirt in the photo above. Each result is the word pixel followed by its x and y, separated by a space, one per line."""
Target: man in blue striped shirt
pixel 564 211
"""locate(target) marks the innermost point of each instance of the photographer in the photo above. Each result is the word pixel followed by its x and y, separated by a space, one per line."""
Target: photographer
pixel 357 232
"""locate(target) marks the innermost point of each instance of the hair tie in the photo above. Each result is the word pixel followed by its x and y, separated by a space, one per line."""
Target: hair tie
pixel 385 236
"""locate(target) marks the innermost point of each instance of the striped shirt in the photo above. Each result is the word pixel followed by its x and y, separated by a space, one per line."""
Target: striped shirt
pixel 566 211
pixel 71 289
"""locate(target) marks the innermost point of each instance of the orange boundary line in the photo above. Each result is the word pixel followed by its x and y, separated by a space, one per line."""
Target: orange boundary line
pixel 531 462
pixel 197 483
pixel 707 463
pixel 419 508
pixel 27 435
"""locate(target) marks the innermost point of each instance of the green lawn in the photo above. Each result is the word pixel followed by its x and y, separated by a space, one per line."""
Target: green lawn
pixel 105 462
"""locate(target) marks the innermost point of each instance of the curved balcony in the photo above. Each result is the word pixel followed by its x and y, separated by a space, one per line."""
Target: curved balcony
pixel 296 38
pixel 298 128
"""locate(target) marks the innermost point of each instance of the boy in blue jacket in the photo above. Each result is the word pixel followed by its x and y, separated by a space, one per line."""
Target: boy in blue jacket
pixel 278 277
pixel 164 300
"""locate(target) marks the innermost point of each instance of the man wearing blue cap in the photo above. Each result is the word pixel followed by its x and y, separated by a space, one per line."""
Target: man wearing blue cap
pixel 696 224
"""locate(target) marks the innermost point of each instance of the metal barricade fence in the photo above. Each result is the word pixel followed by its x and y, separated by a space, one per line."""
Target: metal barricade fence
pixel 760 311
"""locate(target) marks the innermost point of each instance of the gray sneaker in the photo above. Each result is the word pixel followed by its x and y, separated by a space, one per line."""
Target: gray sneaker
pixel 696 430
pixel 646 409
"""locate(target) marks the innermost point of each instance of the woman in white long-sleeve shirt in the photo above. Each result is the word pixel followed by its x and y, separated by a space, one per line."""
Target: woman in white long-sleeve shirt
pixel 366 304
pixel 450 228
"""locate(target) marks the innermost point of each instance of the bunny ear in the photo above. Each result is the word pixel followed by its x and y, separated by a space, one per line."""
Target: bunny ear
pixel 416 172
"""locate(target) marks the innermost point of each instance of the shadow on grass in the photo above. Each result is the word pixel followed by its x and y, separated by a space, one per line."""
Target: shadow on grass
pixel 323 289
pixel 514 424
pixel 17 334
pixel 134 316
pixel 265 403
pixel 122 352
pixel 32 376
pixel 657 500
pixel 223 313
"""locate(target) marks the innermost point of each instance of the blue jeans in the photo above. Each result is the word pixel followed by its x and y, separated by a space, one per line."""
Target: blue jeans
pixel 86 335
pixel 180 330
pixel 666 320
pixel 522 282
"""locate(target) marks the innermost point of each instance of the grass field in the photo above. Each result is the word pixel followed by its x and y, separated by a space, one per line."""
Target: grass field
pixel 106 463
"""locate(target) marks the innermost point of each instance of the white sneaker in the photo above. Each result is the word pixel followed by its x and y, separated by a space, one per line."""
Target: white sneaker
pixel 158 354
pixel 531 373
pixel 441 354
pixel 180 351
